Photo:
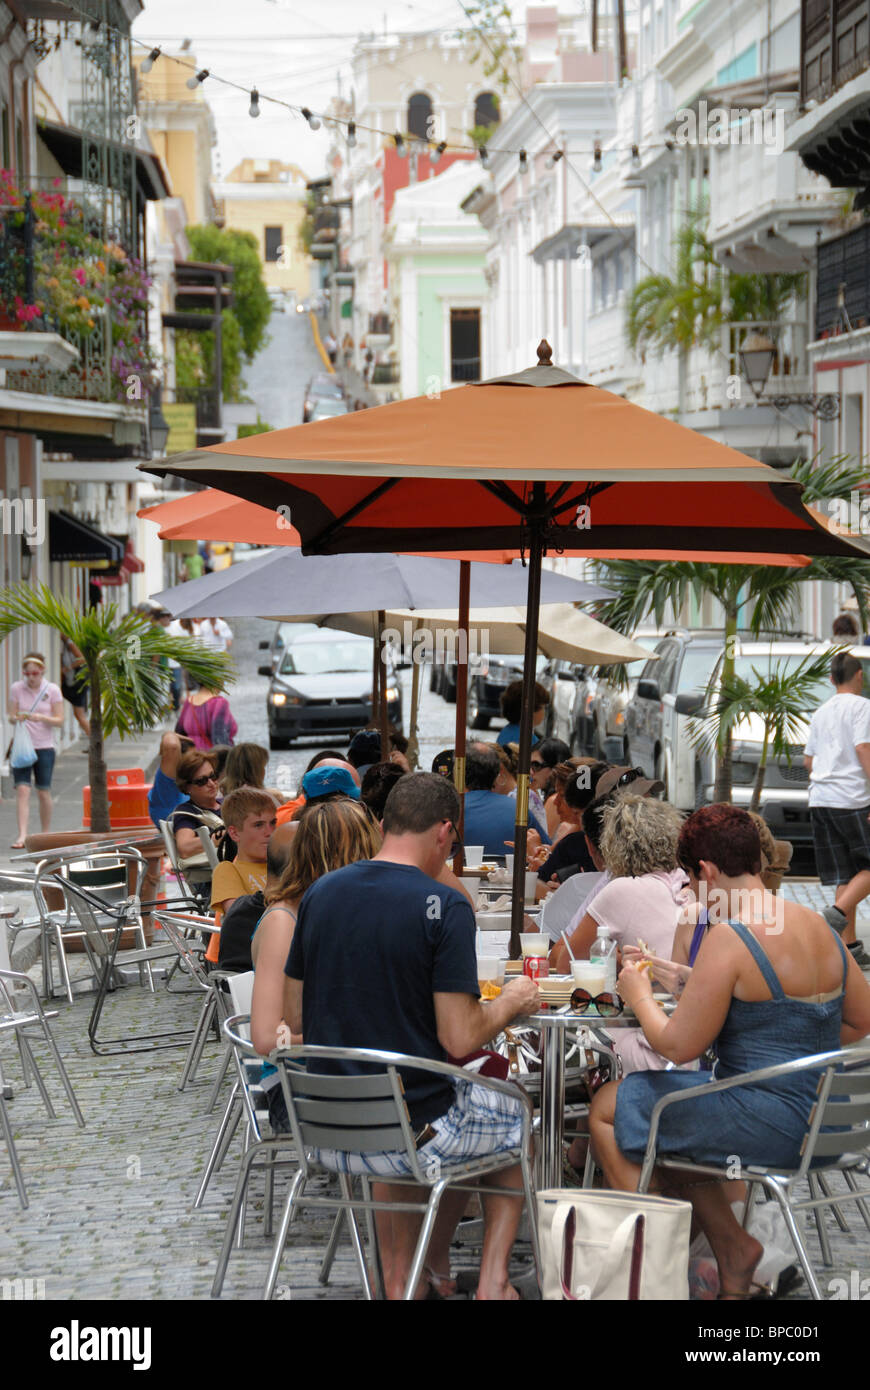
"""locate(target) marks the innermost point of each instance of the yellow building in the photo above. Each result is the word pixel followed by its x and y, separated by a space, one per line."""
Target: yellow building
pixel 182 132
pixel 267 198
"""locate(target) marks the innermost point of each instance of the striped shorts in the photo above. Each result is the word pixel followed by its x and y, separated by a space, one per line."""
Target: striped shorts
pixel 842 842
pixel 479 1122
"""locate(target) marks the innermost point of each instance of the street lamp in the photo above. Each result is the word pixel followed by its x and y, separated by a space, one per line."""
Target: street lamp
pixel 158 428
pixel 756 358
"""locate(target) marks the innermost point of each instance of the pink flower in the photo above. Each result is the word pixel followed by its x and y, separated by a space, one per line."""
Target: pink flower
pixel 79 275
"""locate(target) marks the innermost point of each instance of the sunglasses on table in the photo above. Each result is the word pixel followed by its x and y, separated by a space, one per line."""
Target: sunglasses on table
pixel 605 1005
pixel 201 781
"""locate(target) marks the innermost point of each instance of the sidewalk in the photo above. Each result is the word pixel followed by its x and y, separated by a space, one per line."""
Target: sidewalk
pixel 69 779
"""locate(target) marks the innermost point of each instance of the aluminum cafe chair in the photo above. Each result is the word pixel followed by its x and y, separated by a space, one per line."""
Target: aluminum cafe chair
pixel 366 1113
pixel 180 929
pixel 24 1023
pixel 842 1107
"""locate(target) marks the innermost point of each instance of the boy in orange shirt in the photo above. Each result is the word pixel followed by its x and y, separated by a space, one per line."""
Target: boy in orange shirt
pixel 249 815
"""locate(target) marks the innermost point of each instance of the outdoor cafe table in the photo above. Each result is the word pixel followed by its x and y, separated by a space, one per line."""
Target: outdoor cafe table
pixel 553 1025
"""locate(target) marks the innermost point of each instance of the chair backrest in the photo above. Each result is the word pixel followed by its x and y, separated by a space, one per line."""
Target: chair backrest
pixel 241 989
pixel 208 846
pixel 107 878
pixel 843 1102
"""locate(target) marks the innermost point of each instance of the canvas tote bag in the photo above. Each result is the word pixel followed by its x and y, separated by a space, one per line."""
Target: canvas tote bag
pixel 613 1245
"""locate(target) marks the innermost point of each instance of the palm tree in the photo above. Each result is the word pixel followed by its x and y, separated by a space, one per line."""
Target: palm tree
pixel 129 689
pixel 779 697
pixel 766 593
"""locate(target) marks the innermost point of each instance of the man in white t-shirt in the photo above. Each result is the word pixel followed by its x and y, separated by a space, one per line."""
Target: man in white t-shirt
pixel 837 756
pixel 215 634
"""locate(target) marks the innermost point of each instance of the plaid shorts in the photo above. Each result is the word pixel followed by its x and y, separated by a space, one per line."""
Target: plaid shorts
pixel 842 841
pixel 479 1122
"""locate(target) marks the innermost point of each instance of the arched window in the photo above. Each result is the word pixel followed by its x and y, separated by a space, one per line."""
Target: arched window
pixel 486 109
pixel 419 116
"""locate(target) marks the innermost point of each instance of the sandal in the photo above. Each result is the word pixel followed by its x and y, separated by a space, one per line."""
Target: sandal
pixel 440 1285
pixel 19 844
pixel 755 1292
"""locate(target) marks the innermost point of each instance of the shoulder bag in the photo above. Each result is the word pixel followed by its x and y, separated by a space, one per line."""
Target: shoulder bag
pixel 614 1246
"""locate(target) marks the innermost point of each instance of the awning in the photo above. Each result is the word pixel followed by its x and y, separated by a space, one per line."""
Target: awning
pixel 75 541
pixel 112 578
pixel 65 143
pixel 567 243
pixel 116 575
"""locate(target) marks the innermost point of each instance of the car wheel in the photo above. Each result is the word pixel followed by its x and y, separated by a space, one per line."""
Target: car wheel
pixel 449 690
pixel 433 681
pixel 476 720
pixel 276 743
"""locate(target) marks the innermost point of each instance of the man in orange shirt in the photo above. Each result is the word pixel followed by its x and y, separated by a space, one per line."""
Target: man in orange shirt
pixel 289 808
pixel 250 817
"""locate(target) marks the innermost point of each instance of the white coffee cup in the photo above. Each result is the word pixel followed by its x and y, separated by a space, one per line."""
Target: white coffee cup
pixel 509 864
pixel 473 855
pixel 472 885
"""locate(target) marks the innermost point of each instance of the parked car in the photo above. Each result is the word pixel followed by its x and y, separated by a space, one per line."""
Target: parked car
pixel 323 386
pixel 680 666
pixel 488 676
pixel 606 723
pixel 785 794
pixel 323 684
pixel 326 408
pixel 560 680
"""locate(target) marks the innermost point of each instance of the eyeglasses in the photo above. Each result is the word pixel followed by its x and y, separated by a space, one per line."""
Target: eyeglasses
pixel 456 847
pixel 536 766
pixel 607 1005
pixel 630 776
pixel 201 781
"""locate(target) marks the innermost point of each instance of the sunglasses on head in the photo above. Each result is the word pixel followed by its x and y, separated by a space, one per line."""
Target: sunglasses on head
pixel 630 776
pixel 201 781
pixel 606 1005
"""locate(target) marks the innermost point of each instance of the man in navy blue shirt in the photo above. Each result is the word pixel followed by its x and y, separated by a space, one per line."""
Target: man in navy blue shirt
pixel 490 817
pixel 384 957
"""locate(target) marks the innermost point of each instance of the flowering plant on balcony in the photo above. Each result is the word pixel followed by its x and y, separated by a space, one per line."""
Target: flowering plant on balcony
pixel 84 288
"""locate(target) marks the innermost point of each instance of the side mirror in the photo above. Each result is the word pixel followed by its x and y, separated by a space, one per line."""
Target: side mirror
pixel 688 704
pixel 648 690
pixel 264 670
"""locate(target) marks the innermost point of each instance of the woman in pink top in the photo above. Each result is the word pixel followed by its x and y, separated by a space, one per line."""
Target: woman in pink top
pixel 207 720
pixel 38 704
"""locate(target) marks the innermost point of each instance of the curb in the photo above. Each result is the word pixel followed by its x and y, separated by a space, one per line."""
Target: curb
pixel 318 343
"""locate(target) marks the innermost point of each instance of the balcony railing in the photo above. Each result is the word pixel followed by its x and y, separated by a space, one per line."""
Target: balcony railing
pixel 380 325
pixel 843 264
pixel 789 371
pixel 835 45
pixel 385 374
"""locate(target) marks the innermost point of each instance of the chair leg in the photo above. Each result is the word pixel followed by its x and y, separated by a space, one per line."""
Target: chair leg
pixel 374 1248
pixel 423 1241
pixel 838 1215
pixel 212 1158
pixel 281 1239
pixel 37 1074
pixel 226 1248
pixel 22 1053
pixel 197 1042
pixel 13 1156
pixel 64 969
pixel 819 1218
pixel 797 1241
pixel 346 1184
pixel 861 1202
pixel 62 1071
pixel 219 1079
pixel 532 1209
pixel 332 1246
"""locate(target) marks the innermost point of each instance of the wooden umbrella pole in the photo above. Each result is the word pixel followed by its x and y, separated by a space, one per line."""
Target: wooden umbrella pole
pixel 536 551
pixel 376 669
pixel 461 704
pixel 382 689
pixel 413 743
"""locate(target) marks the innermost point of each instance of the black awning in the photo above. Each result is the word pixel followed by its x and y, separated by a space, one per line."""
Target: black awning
pixel 72 539
pixel 65 143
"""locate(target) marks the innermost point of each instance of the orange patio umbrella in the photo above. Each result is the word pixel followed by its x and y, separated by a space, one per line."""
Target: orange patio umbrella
pixel 532 462
pixel 211 515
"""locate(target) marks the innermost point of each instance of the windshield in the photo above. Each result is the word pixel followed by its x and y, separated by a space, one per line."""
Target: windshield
pixel 767 664
pixel 316 659
pixel 695 671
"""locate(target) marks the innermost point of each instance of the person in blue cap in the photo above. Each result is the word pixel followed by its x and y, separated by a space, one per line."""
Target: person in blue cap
pixel 324 782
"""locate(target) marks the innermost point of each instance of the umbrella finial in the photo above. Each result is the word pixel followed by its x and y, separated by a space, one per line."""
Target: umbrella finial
pixel 545 354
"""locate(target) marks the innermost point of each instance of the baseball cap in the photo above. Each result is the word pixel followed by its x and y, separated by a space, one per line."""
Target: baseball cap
pixel 364 748
pixel 627 779
pixel 329 781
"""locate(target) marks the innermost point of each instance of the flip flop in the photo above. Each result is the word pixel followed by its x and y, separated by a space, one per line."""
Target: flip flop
pixel 19 844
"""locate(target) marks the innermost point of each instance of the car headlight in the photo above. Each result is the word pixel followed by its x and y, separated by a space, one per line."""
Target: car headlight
pixel 279 697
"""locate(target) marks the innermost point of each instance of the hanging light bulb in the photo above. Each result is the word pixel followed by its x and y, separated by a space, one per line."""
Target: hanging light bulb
pixel 524 164
pixel 147 63
pixel 194 80
pixel 254 108
pixel 400 145
pixel 351 135
pixel 484 156
pixel 635 157
pixel 313 121
pixel 435 155
pixel 596 157
pixel 554 159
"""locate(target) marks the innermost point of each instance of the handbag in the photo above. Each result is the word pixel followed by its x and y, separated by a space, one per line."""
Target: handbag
pixel 21 750
pixel 613 1246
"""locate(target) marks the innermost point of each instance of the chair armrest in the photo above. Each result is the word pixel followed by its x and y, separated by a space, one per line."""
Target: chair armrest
pixel 856 1054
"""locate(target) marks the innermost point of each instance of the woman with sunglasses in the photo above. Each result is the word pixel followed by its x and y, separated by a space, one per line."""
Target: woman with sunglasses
pixel 771 984
pixel 195 776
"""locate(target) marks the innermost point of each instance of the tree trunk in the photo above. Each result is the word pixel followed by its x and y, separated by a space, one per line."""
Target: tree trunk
pixel 755 803
pixel 96 761
pixel 722 789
